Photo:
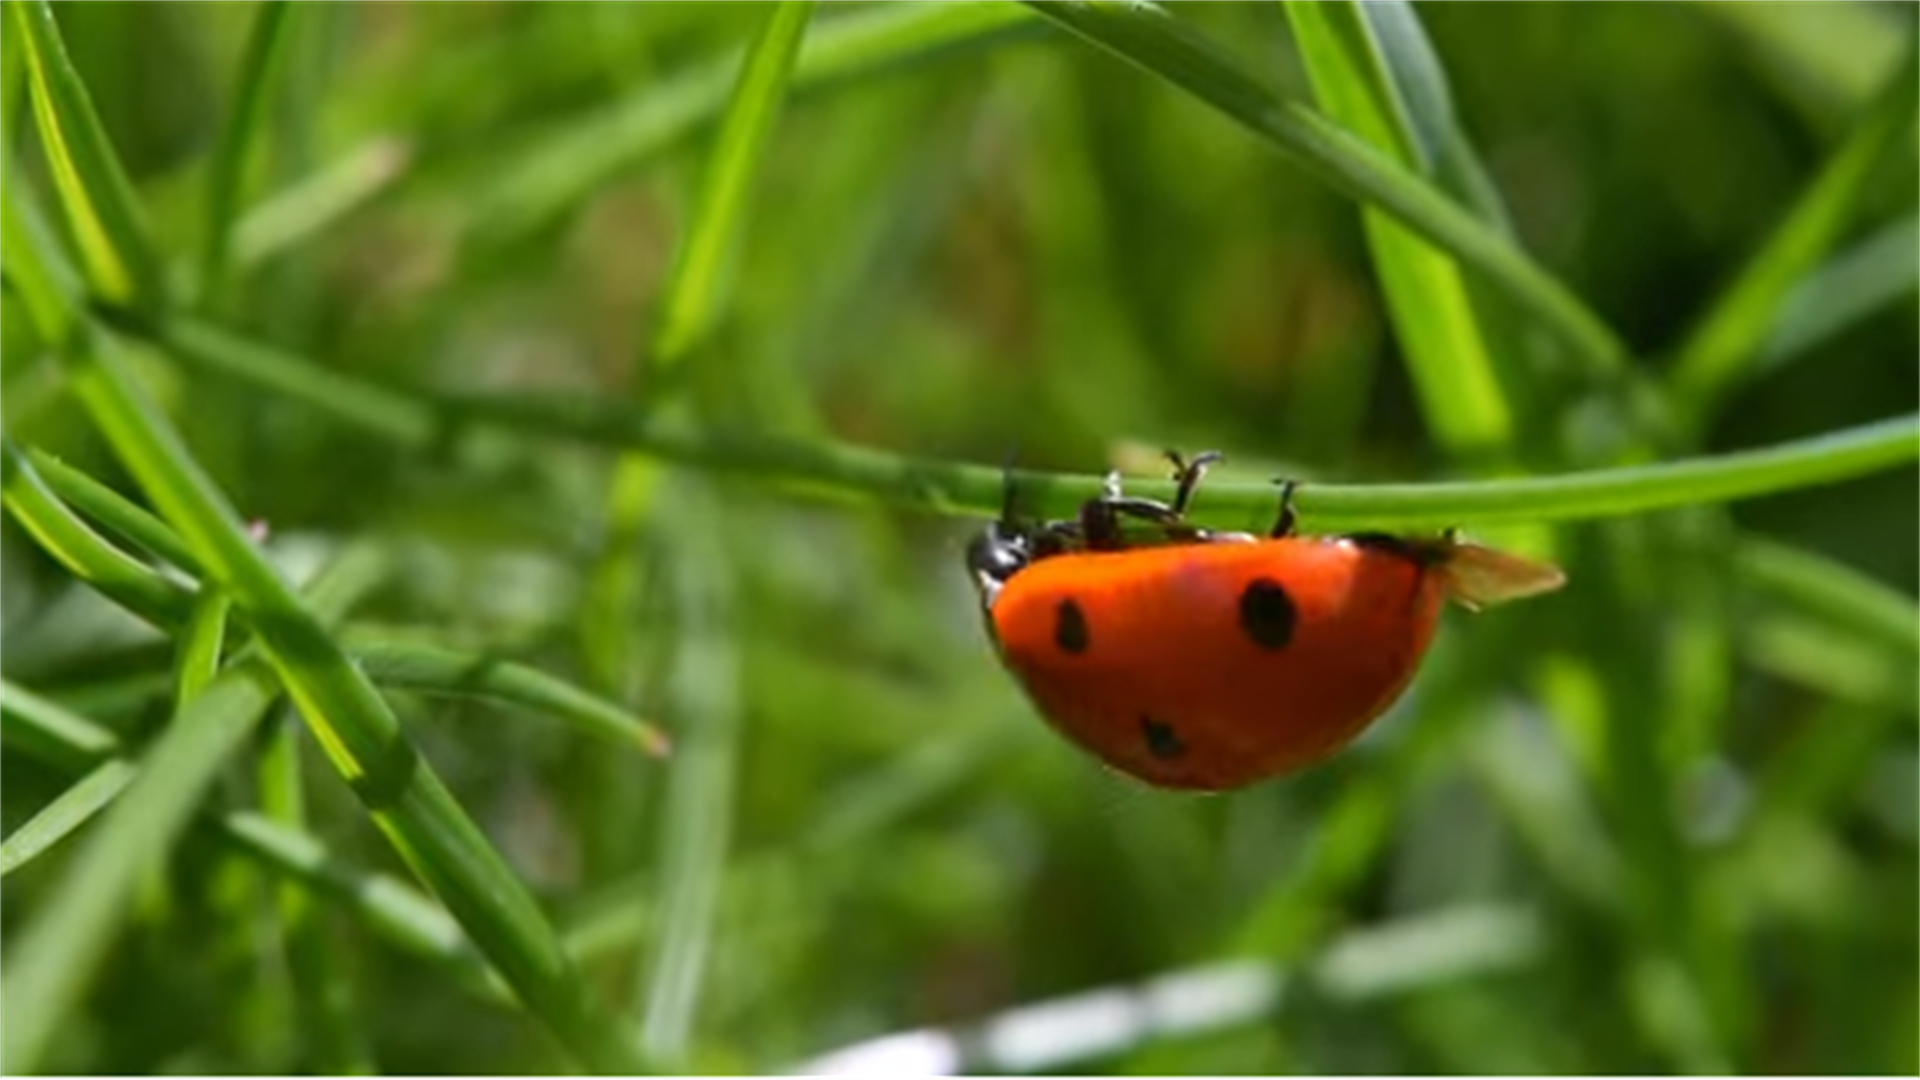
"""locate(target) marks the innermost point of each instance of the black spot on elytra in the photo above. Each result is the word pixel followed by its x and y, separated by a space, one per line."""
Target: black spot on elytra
pixel 1267 613
pixel 1161 740
pixel 1070 628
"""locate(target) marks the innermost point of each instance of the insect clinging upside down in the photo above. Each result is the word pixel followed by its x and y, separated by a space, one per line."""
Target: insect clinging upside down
pixel 1211 660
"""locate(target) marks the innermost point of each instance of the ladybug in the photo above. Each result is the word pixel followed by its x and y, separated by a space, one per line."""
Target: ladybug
pixel 1205 660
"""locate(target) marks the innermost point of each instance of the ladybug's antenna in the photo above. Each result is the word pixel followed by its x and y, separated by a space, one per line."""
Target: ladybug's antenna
pixel 1006 483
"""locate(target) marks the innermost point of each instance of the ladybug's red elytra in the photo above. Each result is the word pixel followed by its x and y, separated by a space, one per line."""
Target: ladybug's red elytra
pixel 1209 660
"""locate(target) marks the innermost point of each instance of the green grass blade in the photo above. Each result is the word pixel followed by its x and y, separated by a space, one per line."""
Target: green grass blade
pixel 197 659
pixel 45 285
pixel 71 809
pixel 120 259
pixel 58 952
pixel 1845 598
pixel 1426 294
pixel 703 269
pixel 258 66
pixel 1857 283
pixel 1145 35
pixel 61 736
pixel 1727 339
pixel 109 508
pixel 401 665
pixel 402 420
pixel 316 203
pixel 847 472
pixel 362 737
pixel 332 1031
pixel 395 910
pixel 703 692
pixel 86 554
pixel 560 169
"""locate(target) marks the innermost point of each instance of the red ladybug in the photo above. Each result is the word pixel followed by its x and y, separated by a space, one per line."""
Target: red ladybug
pixel 1207 660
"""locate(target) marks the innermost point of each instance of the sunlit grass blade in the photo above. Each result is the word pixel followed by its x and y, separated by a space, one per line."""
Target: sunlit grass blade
pixel 563 167
pixel 1433 314
pixel 71 809
pixel 94 191
pixel 265 45
pixel 403 665
pixel 317 203
pixel 1145 35
pixel 1730 335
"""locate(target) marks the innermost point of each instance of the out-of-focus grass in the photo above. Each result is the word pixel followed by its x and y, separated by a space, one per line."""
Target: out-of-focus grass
pixel 403 279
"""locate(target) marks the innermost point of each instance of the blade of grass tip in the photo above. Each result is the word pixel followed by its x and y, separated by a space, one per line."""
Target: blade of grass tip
pixel 258 66
pixel 59 951
pixel 402 665
pixel 1865 278
pixel 331 1036
pixel 1460 392
pixel 1729 336
pixel 84 553
pixel 120 259
pixel 1144 35
pixel 1838 594
pixel 561 168
pixel 319 202
pixel 40 727
pixel 71 809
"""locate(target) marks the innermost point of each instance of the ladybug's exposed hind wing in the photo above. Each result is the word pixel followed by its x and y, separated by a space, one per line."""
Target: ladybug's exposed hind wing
pixel 1481 577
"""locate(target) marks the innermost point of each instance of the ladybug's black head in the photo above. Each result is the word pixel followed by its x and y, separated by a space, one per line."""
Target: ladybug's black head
pixel 1000 551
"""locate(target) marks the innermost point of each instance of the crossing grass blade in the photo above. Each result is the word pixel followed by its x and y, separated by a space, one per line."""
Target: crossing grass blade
pixel 406 665
pixel 1145 35
pixel 1730 336
pixel 1433 313
pixel 405 797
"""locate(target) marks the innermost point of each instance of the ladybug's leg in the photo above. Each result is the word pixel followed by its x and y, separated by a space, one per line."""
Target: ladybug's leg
pixel 1283 525
pixel 1187 474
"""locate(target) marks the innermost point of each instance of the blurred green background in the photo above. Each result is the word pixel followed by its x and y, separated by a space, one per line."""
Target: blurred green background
pixel 1664 820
